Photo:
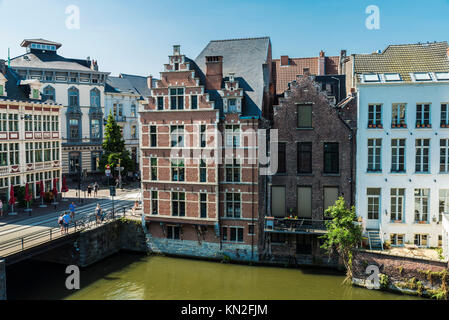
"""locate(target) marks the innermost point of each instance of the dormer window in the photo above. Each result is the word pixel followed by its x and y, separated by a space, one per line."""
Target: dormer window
pixel 371 77
pixel 442 76
pixel 232 105
pixel 231 77
pixel 176 66
pixel 422 76
pixel 36 94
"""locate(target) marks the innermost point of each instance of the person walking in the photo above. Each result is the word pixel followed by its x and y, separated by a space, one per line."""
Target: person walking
pixel 60 222
pixel 1 208
pixel 89 190
pixel 72 210
pixel 96 188
pixel 98 211
pixel 66 221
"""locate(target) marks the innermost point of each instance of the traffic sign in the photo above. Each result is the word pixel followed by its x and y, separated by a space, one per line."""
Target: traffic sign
pixel 108 172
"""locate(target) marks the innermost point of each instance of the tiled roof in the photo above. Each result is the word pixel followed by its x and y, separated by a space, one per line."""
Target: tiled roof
pixel 282 75
pixel 405 59
pixel 49 60
pixel 140 83
pixel 245 58
pixel 127 83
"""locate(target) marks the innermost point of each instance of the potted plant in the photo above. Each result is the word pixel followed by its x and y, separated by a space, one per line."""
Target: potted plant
pixel 418 125
pixel 379 126
pixel 393 125
pixel 370 125
pixel 404 125
pixel 428 125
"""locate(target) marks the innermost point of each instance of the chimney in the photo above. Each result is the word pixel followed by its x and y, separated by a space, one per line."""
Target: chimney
pixel 176 50
pixel 214 72
pixel 322 64
pixel 285 60
pixel 150 82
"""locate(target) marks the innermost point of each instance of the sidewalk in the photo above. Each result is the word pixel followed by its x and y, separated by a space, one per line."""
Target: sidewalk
pixel 67 198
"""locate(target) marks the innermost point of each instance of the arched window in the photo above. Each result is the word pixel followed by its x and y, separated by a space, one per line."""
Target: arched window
pixel 73 97
pixel 49 94
pixel 95 98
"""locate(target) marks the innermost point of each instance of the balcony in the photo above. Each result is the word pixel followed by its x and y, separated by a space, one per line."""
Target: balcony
pixel 120 118
pixel 297 226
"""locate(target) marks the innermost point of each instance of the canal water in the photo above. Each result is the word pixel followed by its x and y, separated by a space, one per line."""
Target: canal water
pixel 130 276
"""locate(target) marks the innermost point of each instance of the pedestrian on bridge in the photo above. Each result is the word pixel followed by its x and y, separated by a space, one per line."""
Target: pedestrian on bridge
pixel 96 188
pixel 1 208
pixel 98 211
pixel 60 222
pixel 66 221
pixel 72 210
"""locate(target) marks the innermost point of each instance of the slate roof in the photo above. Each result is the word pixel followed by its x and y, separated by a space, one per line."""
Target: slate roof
pixel 282 75
pixel 50 60
pixel 15 91
pixel 126 83
pixel 405 59
pixel 245 58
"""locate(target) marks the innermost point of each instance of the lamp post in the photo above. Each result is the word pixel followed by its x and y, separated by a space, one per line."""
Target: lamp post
pixel 79 183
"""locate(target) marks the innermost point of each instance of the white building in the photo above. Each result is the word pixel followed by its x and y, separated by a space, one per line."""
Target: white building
pixel 402 171
pixel 123 95
pixel 79 87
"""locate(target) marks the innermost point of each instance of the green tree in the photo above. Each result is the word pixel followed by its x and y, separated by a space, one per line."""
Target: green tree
pixel 114 148
pixel 343 233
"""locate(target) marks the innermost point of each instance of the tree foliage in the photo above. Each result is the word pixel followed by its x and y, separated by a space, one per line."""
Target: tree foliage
pixel 114 148
pixel 343 233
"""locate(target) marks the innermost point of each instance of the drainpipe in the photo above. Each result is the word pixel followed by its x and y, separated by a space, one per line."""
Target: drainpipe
pixel 351 139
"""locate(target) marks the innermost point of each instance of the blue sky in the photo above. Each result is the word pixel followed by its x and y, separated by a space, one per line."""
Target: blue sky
pixel 135 36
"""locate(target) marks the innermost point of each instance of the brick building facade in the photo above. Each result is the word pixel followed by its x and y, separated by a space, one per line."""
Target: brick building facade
pixel 315 124
pixel 201 184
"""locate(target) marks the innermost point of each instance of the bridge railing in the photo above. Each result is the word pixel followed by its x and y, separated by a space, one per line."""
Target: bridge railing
pixel 16 245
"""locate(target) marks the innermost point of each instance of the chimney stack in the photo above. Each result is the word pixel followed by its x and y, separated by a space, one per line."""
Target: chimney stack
pixel 322 64
pixel 285 60
pixel 150 82
pixel 214 72
pixel 176 50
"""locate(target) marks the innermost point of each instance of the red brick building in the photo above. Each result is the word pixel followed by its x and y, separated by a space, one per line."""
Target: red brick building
pixel 315 122
pixel 202 192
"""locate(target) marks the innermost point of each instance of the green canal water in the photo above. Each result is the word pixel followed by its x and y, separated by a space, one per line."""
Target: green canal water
pixel 129 276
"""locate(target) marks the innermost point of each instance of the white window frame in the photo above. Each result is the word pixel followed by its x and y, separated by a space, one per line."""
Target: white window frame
pixel 376 152
pixel 420 157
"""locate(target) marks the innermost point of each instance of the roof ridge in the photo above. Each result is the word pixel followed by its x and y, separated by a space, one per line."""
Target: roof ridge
pixel 238 39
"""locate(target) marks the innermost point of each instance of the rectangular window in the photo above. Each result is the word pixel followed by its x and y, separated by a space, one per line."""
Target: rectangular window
pixel 4 122
pixel 177 99
pixel 133 110
pixel 397 239
pixel 154 203
pixel 232 133
pixel 177 136
pixel 14 154
pixel 305 116
pixel 203 171
pixel 194 102
pixel 282 165
pixel 29 156
pixel 233 205
pixel 232 105
pixel 444 115
pixel 203 136
pixel 13 122
pixel 232 170
pixel 177 170
pixel 173 232
pixel 375 116
pixel 133 132
pixel 422 147
pixel 423 116
pixel 278 201
pixel 203 205
pixel 153 136
pixel 330 197
pixel 374 155
pixel 443 203
pixel 95 129
pixel 331 158
pixel 178 204
pixel 38 151
pixel 74 128
pixel 398 115
pixel 421 205
pixel 236 234
pixel 304 157
pixel 444 155
pixel 153 169
pixel 304 202
pixel 373 196
pixel 160 103
pixel 397 204
pixel 421 240
pixel 397 155
pixel 47 151
pixel 224 234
